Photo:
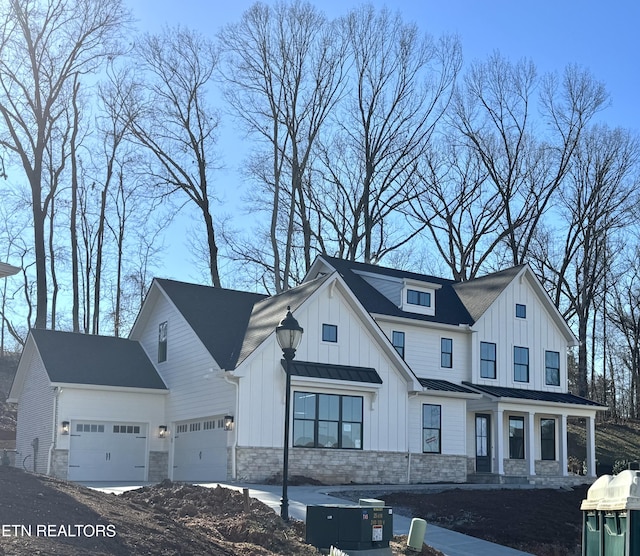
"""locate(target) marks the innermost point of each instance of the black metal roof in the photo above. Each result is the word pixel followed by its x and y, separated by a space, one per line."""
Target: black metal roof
pixel 444 386
pixel 75 358
pixel 534 395
pixel 335 372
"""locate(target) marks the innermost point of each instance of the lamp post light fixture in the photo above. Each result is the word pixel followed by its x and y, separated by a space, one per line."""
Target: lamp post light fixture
pixel 288 333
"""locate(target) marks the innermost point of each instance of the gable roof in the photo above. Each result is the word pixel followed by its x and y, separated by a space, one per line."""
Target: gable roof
pixel 450 309
pixel 478 294
pixel 7 270
pixel 74 358
pixel 218 316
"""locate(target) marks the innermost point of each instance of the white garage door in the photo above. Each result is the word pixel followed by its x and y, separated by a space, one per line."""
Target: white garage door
pixel 107 451
pixel 200 451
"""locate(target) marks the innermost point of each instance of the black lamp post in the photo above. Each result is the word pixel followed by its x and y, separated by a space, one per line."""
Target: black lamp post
pixel 289 334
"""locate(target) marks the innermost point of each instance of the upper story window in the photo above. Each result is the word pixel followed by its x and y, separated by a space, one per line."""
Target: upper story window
pixel 552 368
pixel 415 297
pixel 521 311
pixel 162 342
pixel 487 360
pixel 397 339
pixel 419 297
pixel 329 333
pixel 520 364
pixel 446 353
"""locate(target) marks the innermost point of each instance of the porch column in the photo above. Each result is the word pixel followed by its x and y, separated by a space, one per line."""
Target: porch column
pixel 563 449
pixel 531 448
pixel 499 441
pixel 591 446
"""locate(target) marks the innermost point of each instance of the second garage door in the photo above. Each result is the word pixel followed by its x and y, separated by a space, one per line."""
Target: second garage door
pixel 200 451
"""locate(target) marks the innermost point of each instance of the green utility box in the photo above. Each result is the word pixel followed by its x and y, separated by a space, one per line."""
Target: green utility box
pixel 611 520
pixel 349 527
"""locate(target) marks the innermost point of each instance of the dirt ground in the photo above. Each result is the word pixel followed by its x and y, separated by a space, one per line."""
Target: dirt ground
pixel 545 522
pixel 40 515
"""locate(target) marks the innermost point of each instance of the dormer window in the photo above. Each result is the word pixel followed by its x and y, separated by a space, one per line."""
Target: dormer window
pixel 415 297
pixel 419 297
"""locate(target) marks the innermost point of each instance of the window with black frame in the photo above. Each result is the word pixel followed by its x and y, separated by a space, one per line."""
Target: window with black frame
pixel 516 437
pixel 327 421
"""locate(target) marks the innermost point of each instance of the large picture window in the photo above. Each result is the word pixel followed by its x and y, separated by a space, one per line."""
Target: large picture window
pixel 548 439
pixel 327 421
pixel 431 428
pixel 487 360
pixel 552 368
pixel 520 364
pixel 516 437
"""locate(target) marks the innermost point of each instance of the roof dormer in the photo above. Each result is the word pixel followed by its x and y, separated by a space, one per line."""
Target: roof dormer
pixel 419 297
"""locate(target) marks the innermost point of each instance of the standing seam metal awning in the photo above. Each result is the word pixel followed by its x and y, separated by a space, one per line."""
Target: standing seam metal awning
pixel 334 372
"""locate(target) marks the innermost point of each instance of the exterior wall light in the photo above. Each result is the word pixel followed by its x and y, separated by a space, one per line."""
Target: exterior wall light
pixel 65 427
pixel 162 431
pixel 228 422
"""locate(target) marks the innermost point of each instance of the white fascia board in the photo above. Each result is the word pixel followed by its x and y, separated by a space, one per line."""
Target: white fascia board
pixel 575 410
pixel 424 323
pixel 421 284
pixel 446 394
pixel 103 388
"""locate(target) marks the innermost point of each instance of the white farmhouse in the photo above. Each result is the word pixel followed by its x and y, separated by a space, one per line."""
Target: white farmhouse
pixel 399 378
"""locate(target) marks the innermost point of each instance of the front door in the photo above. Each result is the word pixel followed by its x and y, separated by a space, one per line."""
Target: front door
pixel 483 443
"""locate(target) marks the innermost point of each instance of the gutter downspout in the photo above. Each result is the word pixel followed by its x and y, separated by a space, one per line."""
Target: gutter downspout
pixel 235 383
pixel 54 431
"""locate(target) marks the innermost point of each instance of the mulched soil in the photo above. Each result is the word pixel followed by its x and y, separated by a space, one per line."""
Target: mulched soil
pixel 40 515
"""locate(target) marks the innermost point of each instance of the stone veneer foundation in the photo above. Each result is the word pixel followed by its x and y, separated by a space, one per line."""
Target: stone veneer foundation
pixel 351 466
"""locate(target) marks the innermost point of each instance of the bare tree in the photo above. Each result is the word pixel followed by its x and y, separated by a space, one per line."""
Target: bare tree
pixel 283 76
pixel 401 83
pixel 493 113
pixel 44 46
pixel 172 119
pixel 595 202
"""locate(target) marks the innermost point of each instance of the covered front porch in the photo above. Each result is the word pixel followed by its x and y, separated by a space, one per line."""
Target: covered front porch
pixel 521 436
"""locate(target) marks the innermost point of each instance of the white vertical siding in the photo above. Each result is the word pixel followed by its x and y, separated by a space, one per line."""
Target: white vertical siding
pixel 452 423
pixel 263 383
pixel 196 383
pixel 35 417
pixel 537 331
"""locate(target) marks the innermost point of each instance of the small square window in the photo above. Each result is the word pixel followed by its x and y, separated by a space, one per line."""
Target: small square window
pixel 329 333
pixel 521 311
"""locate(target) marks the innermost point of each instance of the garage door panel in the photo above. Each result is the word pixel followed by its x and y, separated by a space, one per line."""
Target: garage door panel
pixel 107 451
pixel 200 451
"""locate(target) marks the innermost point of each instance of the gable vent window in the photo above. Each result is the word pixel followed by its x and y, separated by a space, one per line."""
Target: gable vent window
pixel 329 333
pixel 415 297
pixel 521 311
pixel 162 342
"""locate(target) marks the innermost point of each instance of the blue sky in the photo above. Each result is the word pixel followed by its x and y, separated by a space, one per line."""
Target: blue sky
pixel 602 37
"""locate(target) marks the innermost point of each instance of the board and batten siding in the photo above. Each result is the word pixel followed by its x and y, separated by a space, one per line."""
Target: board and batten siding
pixel 75 404
pixel 36 408
pixel 422 350
pixel 452 423
pixel 537 331
pixel 263 382
pixel 195 381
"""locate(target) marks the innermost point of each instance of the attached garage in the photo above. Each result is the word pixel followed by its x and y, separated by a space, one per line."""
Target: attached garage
pixel 107 451
pixel 200 450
